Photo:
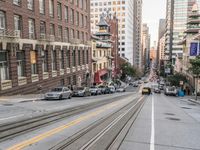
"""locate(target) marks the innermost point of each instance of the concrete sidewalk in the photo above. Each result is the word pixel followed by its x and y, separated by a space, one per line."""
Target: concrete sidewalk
pixel 21 98
pixel 192 99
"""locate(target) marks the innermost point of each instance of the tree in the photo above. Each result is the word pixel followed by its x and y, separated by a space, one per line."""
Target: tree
pixel 127 70
pixel 175 79
pixel 195 69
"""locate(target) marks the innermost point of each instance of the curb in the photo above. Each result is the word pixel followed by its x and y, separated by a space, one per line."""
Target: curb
pixel 194 101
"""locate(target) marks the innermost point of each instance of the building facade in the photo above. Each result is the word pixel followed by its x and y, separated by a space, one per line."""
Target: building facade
pixel 124 10
pixel 43 44
pixel 101 53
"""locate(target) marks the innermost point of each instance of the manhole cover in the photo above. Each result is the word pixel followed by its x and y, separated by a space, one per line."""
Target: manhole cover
pixel 170 114
pixel 185 107
pixel 174 119
pixel 7 104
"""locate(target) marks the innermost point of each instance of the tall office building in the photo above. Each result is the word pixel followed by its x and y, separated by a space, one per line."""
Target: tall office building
pixel 176 20
pixel 124 10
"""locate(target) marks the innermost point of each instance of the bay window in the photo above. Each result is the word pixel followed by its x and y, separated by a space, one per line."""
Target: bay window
pixel 4 67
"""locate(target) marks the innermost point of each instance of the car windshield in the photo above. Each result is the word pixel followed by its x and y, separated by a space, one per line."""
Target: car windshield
pixel 93 87
pixel 57 90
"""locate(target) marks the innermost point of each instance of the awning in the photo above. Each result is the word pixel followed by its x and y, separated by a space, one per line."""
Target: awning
pixel 98 74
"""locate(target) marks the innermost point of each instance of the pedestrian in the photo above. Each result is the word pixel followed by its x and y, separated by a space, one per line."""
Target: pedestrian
pixel 184 91
pixel 188 91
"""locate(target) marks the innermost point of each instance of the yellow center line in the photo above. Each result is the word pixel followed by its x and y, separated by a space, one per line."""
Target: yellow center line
pixel 59 129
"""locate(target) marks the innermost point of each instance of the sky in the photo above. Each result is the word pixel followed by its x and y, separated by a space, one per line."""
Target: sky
pixel 153 10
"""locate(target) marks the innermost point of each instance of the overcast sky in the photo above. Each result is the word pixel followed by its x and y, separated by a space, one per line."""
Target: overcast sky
pixel 153 10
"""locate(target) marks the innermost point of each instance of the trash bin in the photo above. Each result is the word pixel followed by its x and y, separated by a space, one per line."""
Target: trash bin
pixel 181 93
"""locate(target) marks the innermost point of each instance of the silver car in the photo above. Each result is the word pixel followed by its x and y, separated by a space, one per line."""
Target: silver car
pixel 59 93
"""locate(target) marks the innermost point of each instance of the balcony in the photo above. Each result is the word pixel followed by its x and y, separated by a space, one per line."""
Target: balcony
pixel 6 84
pixel 45 75
pixel 54 73
pixel 10 33
pixel 34 77
pixel 62 71
pixel 22 81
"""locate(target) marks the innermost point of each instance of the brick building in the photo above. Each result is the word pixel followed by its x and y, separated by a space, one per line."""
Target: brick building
pixel 43 43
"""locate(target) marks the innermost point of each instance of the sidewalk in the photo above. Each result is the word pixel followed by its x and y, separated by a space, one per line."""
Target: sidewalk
pixel 192 99
pixel 20 98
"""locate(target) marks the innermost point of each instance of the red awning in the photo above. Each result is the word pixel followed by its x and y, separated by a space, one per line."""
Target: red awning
pixel 98 74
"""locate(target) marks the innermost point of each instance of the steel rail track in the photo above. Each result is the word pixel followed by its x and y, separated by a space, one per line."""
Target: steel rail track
pixel 102 134
pixel 13 129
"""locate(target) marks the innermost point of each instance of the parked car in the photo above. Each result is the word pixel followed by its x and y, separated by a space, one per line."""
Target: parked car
pixel 146 91
pixel 135 85
pixel 161 87
pixel 112 89
pixel 104 89
pixel 171 91
pixel 82 91
pixel 157 90
pixel 121 89
pixel 95 90
pixel 59 93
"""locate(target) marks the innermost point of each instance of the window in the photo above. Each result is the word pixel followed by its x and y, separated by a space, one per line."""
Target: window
pixel 42 6
pixel 87 57
pixel 80 3
pixel 21 64
pixel 74 79
pixel 51 8
pixel 31 25
pixel 83 57
pixel 17 22
pixel 2 20
pixel 61 59
pixel 72 33
pixel 77 34
pixel 59 11
pixel 66 13
pixel 66 35
pixel 52 32
pixel 72 16
pixel 79 57
pixel 17 2
pixel 44 60
pixel 77 18
pixel 68 59
pixel 85 22
pixel 60 33
pixel 82 20
pixel 4 69
pixel 33 62
pixel 53 58
pixel 42 28
pixel 82 35
pixel 74 58
pixel 30 4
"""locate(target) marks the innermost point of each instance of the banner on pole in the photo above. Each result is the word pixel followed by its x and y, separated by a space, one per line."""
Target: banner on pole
pixel 193 49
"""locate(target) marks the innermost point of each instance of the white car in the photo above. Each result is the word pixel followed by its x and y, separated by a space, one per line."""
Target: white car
pixel 112 89
pixel 59 93
pixel 121 90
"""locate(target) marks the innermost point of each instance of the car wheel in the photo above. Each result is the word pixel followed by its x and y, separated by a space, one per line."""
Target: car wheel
pixel 69 97
pixel 60 97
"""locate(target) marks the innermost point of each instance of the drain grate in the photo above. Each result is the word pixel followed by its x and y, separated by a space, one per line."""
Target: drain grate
pixel 173 119
pixel 170 114
pixel 186 108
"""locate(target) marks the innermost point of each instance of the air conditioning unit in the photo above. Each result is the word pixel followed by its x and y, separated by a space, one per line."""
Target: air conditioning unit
pixel 17 33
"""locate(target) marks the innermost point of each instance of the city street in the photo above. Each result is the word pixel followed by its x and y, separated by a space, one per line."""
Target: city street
pixel 164 123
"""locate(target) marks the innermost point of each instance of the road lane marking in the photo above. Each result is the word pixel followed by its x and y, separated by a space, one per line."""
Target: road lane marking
pixel 11 117
pixel 54 131
pixel 152 142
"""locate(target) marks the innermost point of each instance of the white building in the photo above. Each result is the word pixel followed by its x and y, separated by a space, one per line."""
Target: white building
pixel 124 11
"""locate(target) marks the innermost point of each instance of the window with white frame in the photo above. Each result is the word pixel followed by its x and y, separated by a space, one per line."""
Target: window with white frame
pixel 30 4
pixel 44 54
pixel 72 33
pixel 42 6
pixel 4 68
pixel 42 28
pixel 61 59
pixel 51 8
pixel 66 13
pixel 17 22
pixel 72 16
pixel 21 64
pixel 77 18
pixel 59 10
pixel 60 33
pixel 31 27
pixel 17 2
pixel 53 58
pixel 2 21
pixel 66 35
pixel 52 31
